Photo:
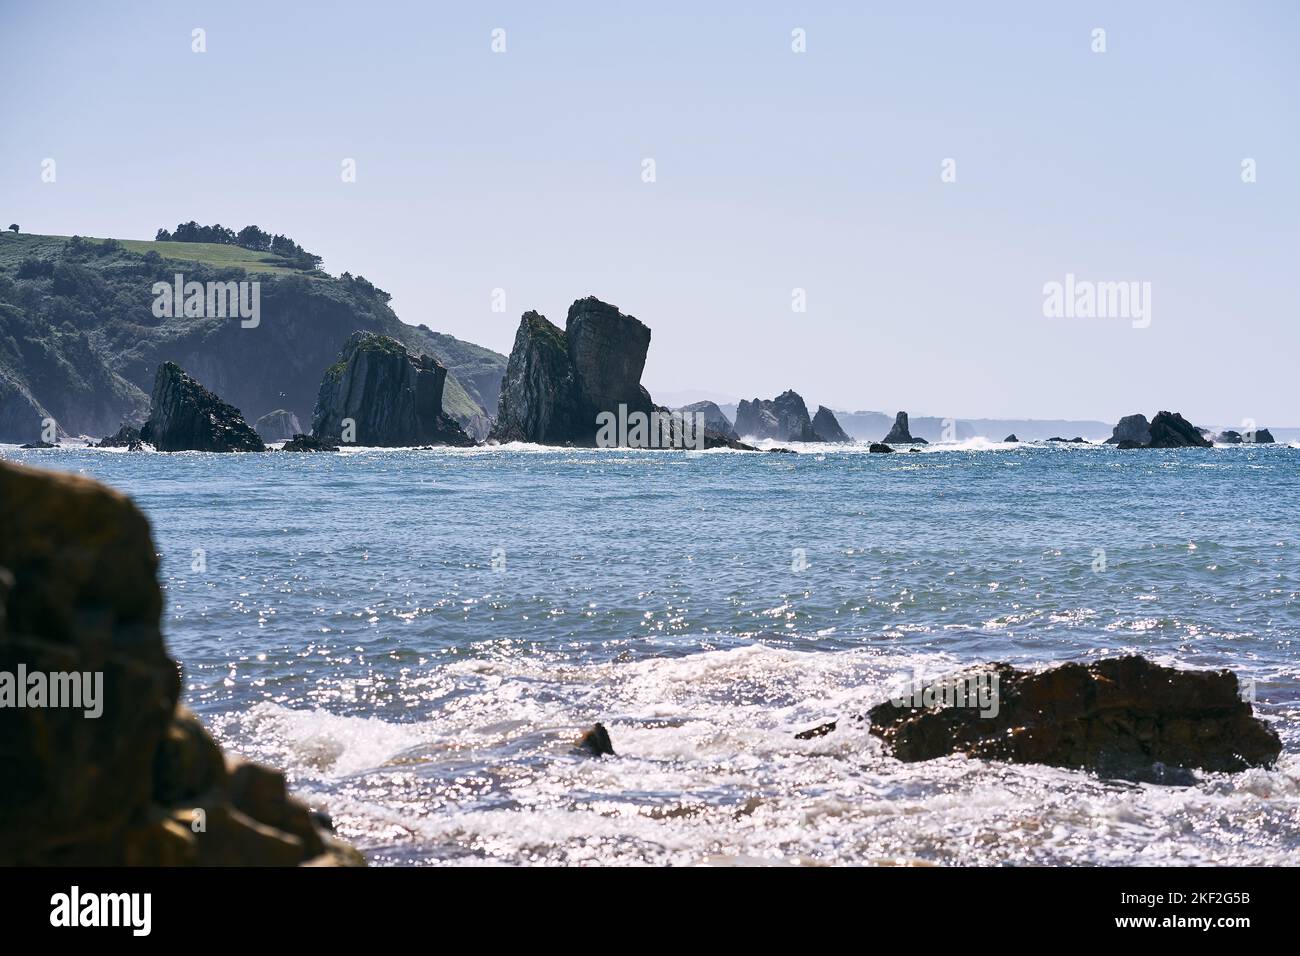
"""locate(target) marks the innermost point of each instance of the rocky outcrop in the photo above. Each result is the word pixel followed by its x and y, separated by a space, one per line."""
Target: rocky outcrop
pixel 596 742
pixel 1131 428
pixel 899 434
pixel 1261 436
pixel 1076 440
pixel 185 416
pixel 140 782
pixel 715 420
pixel 784 418
pixel 827 428
pixel 1119 716
pixel 127 437
pixel 1011 439
pixel 308 443
pixel 279 425
pixel 558 381
pixel 378 394
pixel 876 448
pixel 1171 430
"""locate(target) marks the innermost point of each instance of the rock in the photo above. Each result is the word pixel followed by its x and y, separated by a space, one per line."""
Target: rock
pixel 1227 438
pixel 392 398
pixel 558 381
pixel 1126 445
pixel 828 428
pixel 142 783
pixel 773 451
pixel 22 417
pixel 596 741
pixel 127 437
pixel 821 730
pixel 784 418
pixel 899 434
pixel 279 425
pixel 1120 716
pixel 1010 438
pixel 879 449
pixel 38 444
pixel 715 420
pixel 1131 428
pixel 185 416
pixel 308 443
pixel 1263 437
pixel 1171 430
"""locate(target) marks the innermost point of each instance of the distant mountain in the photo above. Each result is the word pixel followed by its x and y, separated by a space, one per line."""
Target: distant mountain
pixel 79 340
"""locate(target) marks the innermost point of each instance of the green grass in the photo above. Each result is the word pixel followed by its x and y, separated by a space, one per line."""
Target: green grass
pixel 214 254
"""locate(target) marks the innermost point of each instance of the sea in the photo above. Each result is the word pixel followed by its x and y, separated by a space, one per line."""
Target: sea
pixel 417 637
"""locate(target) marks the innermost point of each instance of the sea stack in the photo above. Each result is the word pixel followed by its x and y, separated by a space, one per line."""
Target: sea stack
pixel 827 428
pixel 715 420
pixel 185 416
pixel 900 435
pixel 784 418
pixel 377 394
pixel 279 425
pixel 558 381
pixel 1134 429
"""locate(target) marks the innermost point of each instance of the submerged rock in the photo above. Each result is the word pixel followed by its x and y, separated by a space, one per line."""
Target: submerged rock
pixel 558 381
pixel 378 394
pixel 308 443
pixel 827 427
pixel 596 742
pixel 185 416
pixel 142 783
pixel 900 435
pixel 1171 430
pixel 784 418
pixel 39 444
pixel 1119 716
pixel 127 437
pixel 279 425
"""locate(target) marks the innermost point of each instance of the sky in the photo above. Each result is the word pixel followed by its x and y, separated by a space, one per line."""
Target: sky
pixel 922 281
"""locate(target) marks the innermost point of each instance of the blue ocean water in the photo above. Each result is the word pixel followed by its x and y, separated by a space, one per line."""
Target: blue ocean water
pixel 417 636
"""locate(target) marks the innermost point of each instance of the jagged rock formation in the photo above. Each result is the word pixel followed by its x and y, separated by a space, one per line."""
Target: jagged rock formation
pixel 127 437
pixel 1171 430
pixel 899 434
pixel 1120 715
pixel 1011 439
pixel 185 416
pixel 279 425
pixel 784 418
pixel 1131 428
pixel 392 398
pixel 558 381
pixel 827 428
pixel 142 783
pixel 1263 437
pixel 715 420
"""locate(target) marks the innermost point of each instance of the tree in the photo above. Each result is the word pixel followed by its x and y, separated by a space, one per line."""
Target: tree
pixel 13 227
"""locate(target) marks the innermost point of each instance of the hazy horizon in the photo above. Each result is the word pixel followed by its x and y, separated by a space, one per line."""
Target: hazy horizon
pixel 775 171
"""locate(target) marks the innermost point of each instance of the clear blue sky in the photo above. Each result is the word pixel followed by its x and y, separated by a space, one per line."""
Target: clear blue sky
pixel 775 170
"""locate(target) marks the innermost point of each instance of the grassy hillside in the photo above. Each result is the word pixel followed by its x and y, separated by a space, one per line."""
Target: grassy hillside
pixel 78 339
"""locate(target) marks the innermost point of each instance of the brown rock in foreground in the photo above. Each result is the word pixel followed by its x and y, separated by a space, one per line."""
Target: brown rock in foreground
pixel 141 783
pixel 1118 715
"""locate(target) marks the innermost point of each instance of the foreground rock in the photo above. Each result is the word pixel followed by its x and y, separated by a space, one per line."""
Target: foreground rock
pixel 784 418
pixel 185 416
pixel 377 394
pixel 827 427
pixel 279 425
pixel 596 742
pixel 900 435
pixel 141 783
pixel 559 380
pixel 1120 716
